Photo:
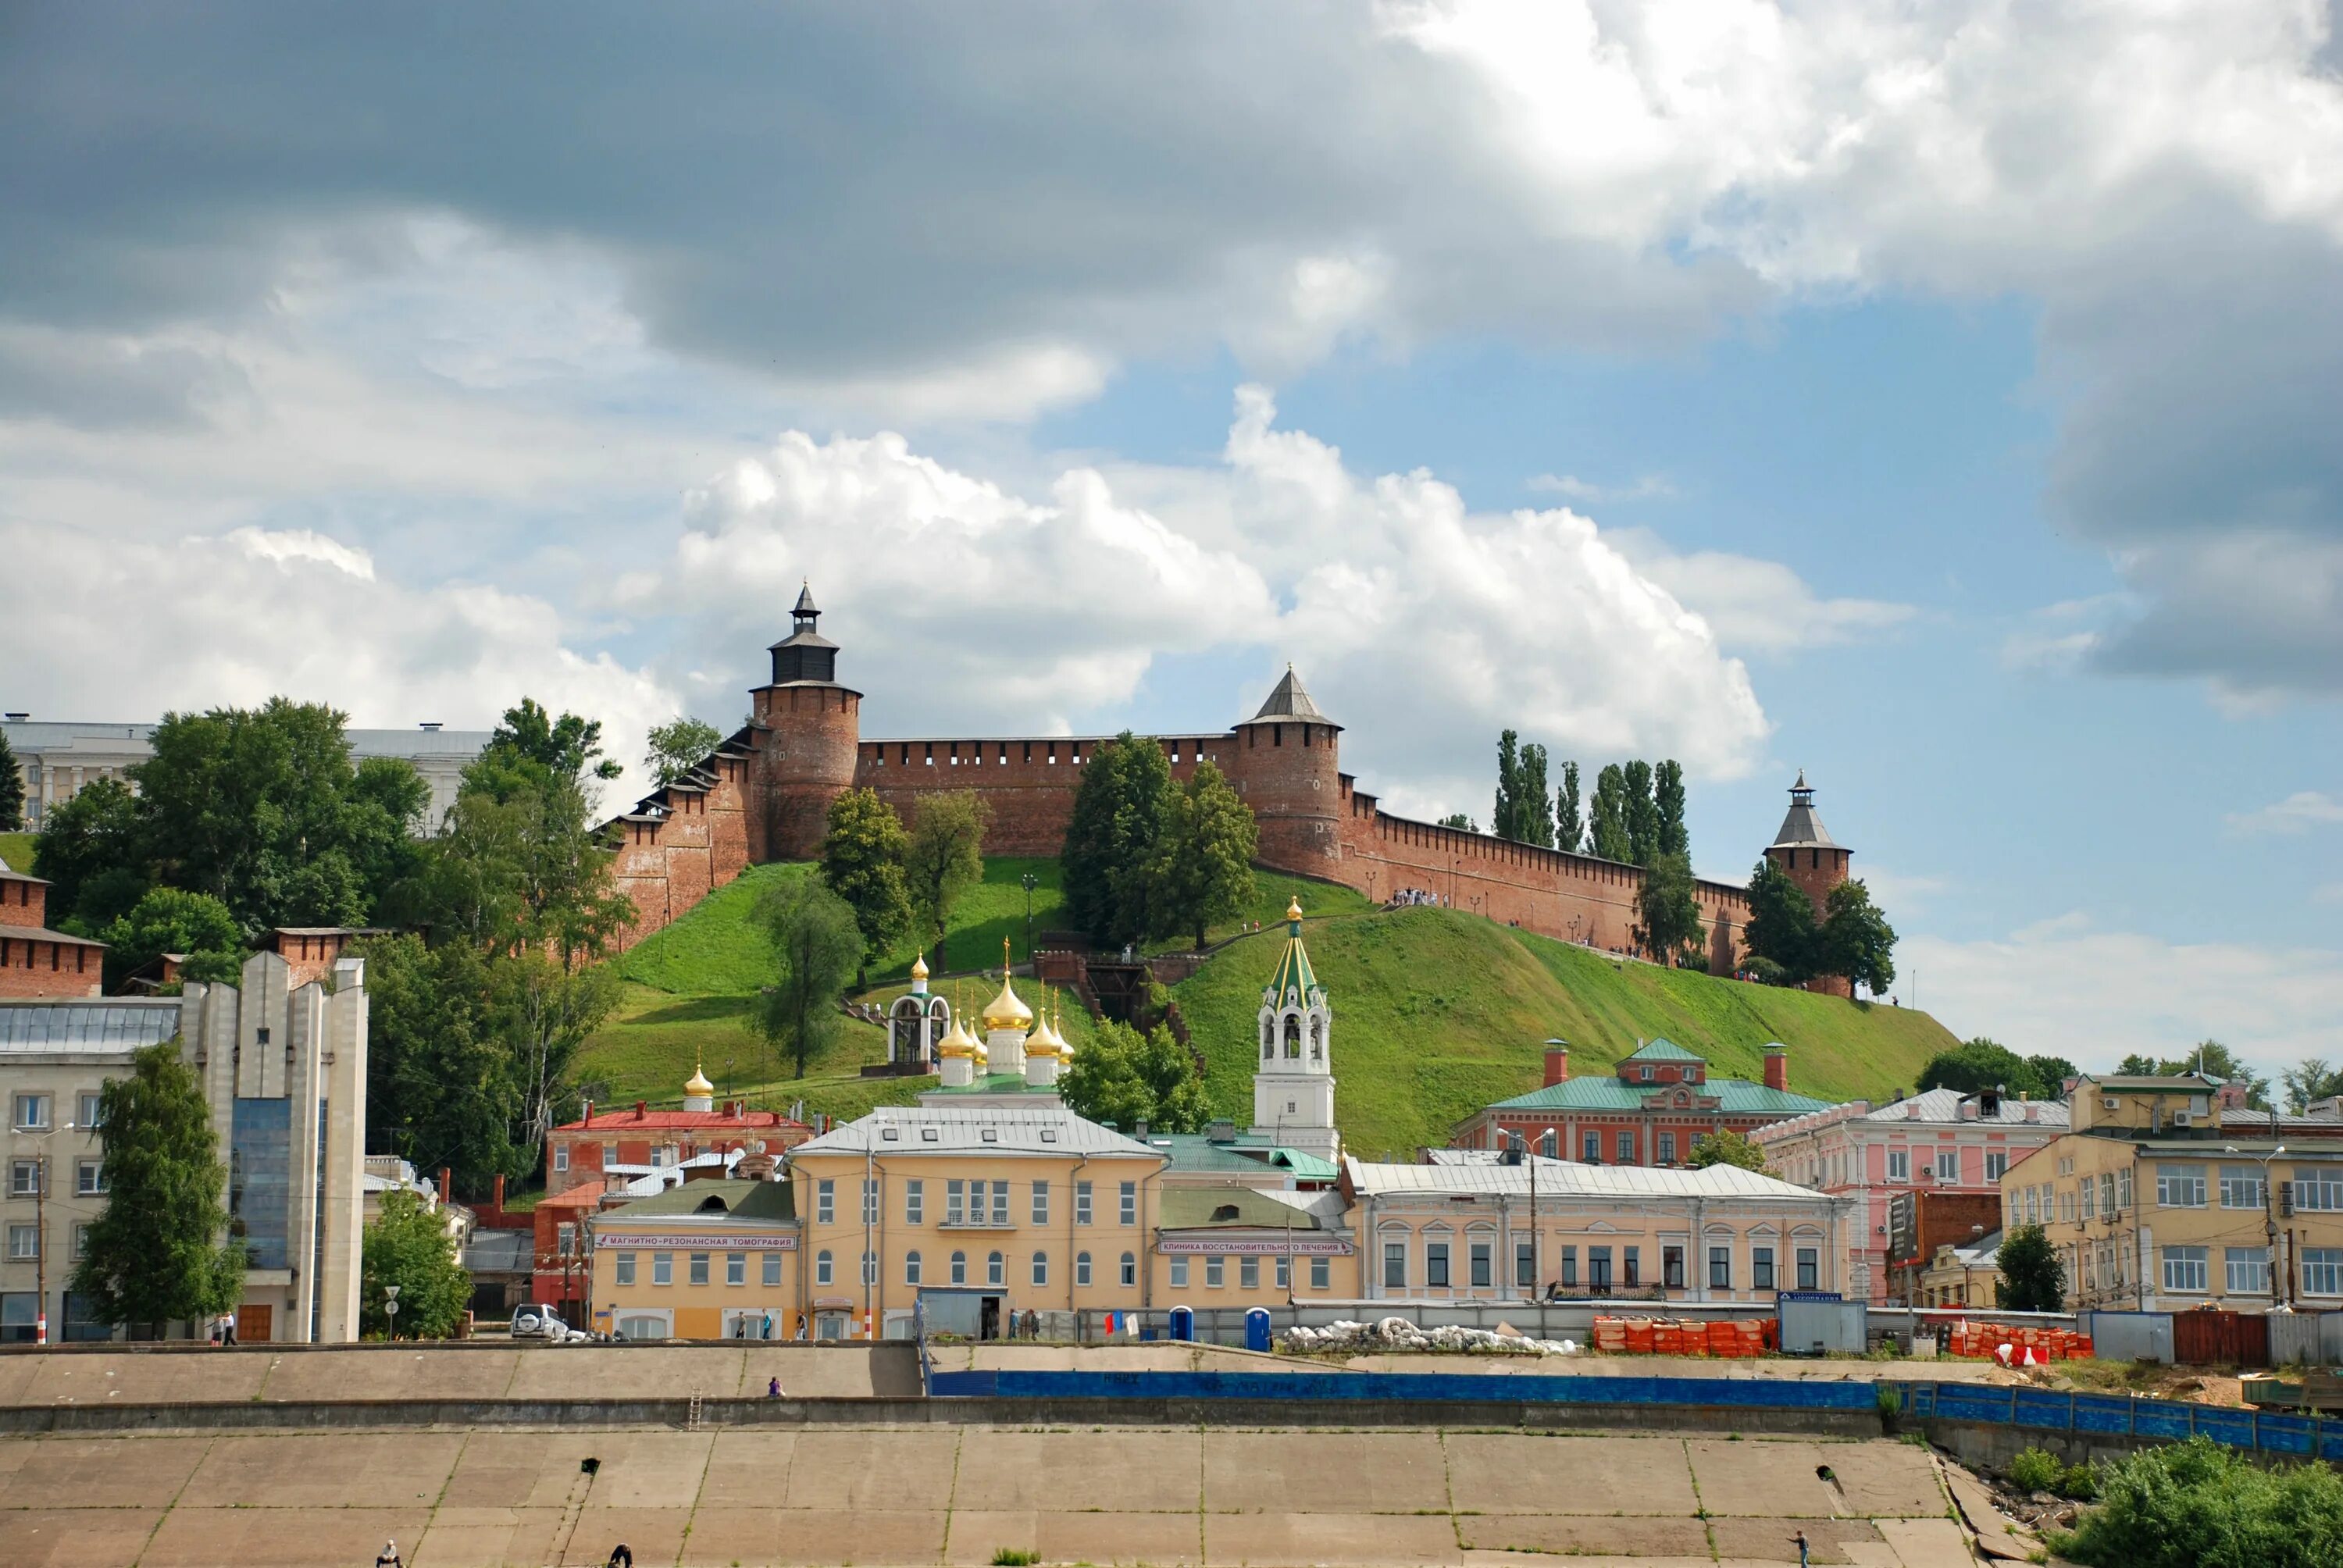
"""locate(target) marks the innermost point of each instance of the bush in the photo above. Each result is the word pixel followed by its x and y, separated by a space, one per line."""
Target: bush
pixel 2081 1484
pixel 1014 1557
pixel 2036 1470
pixel 2197 1505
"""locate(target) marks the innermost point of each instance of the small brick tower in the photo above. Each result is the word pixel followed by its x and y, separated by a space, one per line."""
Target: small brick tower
pixel 1815 861
pixel 1285 764
pixel 808 726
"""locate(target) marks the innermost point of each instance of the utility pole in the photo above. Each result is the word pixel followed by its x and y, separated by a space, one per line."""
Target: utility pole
pixel 1029 881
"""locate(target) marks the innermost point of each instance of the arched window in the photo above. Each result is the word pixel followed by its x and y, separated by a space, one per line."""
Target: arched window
pixel 1317 1040
pixel 1292 1037
pixel 1040 1268
pixel 960 1269
pixel 996 1269
pixel 822 1267
pixel 910 1268
pixel 1129 1270
pixel 1081 1267
pixel 1268 1038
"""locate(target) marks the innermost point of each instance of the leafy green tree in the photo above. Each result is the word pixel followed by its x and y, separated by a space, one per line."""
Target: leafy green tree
pixel 1505 812
pixel 816 946
pixel 1114 840
pixel 1533 809
pixel 1606 815
pixel 1669 909
pixel 158 1251
pixel 11 792
pixel 863 853
pixel 2197 1505
pixel 409 1246
pixel 545 1008
pixel 88 850
pixel 1127 1078
pixel 2311 1079
pixel 943 860
pixel 1725 1147
pixel 1782 928
pixel 2032 1280
pixel 2135 1065
pixel 1668 804
pixel 678 747
pixel 171 920
pixel 1977 1065
pixel 2211 1056
pixel 531 747
pixel 441 1084
pixel 1856 939
pixel 1203 866
pixel 1460 821
pixel 2052 1073
pixel 1643 814
pixel 1568 831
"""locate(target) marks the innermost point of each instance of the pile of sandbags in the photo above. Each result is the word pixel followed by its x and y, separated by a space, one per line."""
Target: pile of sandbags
pixel 1400 1334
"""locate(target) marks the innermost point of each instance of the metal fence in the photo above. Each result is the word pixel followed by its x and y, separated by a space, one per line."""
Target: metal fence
pixel 2084 1414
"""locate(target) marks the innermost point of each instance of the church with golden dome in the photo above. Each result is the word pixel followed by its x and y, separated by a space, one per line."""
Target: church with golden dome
pixel 1015 1062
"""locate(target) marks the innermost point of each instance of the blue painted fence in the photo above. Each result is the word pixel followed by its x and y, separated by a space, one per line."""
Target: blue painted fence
pixel 1752 1393
pixel 2266 1432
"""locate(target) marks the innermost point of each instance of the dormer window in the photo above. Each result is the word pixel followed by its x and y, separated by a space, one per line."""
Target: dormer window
pixel 1648 1074
pixel 990 1136
pixel 890 1133
pixel 1225 1212
pixel 1048 1135
pixel 712 1206
pixel 927 1135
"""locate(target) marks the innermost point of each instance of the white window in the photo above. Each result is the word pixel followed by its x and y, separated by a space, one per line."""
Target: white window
pixel 1129 1269
pixel 996 1269
pixel 560 1157
pixel 1249 1272
pixel 959 1268
pixel 2249 1273
pixel 80 1240
pixel 1041 1202
pixel 736 1268
pixel 1996 1162
pixel 2241 1187
pixel 2107 1193
pixel 870 1199
pixel 915 1200
pixel 1394 1265
pixel 1284 1273
pixel 824 1268
pixel 2087 1192
pixel 1899 1165
pixel 1081 1267
pixel 24 1178
pixel 2185 1268
pixel 870 1267
pixel 31 1111
pixel 910 1268
pixel 2322 1271
pixel 1128 1204
pixel 625 1268
pixel 699 1267
pixel 1178 1273
pixel 771 1274
pixel 564 1240
pixel 2180 1187
pixel 2123 1188
pixel 23 1242
pixel 88 1108
pixel 1216 1272
pixel 1001 1204
pixel 1040 1268
pixel 662 1268
pixel 1321 1274
pixel 825 1203
pixel 1082 1203
pixel 954 1209
pixel 1949 1164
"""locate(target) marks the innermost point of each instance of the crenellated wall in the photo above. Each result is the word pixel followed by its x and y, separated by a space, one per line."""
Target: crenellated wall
pixel 682 842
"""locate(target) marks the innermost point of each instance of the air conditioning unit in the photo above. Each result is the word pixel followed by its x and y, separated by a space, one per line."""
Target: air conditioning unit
pixel 2182 1118
pixel 2111 1103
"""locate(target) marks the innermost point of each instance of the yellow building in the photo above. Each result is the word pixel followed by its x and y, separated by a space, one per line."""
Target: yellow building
pixel 1962 1275
pixel 704 1260
pixel 2153 1205
pixel 1235 1248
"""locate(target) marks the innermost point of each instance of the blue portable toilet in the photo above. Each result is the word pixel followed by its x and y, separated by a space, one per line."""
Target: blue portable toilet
pixel 1183 1323
pixel 1257 1329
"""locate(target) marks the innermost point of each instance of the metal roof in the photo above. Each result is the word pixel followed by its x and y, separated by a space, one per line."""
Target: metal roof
pixel 732 1201
pixel 1569 1179
pixel 1200 1207
pixel 2138 1083
pixel 976 1130
pixel 1803 828
pixel 1733 1096
pixel 1288 700
pixel 1664 1049
pixel 1942 1107
pixel 115 1024
pixel 1196 1152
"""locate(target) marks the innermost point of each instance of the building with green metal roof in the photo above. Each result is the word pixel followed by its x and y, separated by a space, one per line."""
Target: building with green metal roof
pixel 1647 1111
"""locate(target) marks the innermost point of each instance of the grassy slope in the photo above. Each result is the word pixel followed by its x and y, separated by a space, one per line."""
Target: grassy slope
pixel 17 849
pixel 1437 1013
pixel 690 988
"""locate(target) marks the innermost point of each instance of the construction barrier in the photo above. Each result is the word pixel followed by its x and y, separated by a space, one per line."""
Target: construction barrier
pixel 1687 1336
pixel 2024 1345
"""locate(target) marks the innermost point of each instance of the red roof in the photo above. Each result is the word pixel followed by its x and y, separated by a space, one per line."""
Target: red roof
pixel 585 1195
pixel 679 1121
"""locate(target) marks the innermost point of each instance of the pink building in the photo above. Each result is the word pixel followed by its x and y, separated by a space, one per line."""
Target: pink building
pixel 1937 1141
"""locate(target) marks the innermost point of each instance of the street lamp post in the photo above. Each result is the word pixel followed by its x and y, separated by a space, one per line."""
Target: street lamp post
pixel 1529 1158
pixel 2279 1274
pixel 1029 881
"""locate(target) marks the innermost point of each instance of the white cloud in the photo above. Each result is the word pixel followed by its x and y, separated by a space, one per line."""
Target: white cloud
pixel 2066 987
pixel 2297 813
pixel 1762 607
pixel 1570 487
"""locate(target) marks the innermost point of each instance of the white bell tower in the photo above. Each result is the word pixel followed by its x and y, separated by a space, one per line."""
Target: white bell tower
pixel 1293 1080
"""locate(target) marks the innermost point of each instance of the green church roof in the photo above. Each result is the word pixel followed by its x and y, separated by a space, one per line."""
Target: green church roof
pixel 1665 1051
pixel 1734 1097
pixel 1294 984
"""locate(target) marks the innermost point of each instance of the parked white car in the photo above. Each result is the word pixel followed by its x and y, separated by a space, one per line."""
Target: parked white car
pixel 539 1322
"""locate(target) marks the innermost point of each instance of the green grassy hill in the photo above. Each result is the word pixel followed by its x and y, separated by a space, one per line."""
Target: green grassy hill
pixel 1437 1013
pixel 17 849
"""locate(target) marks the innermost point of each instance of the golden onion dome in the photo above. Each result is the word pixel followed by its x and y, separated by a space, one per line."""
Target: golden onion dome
pixel 1006 1010
pixel 1293 909
pixel 957 1041
pixel 697 1084
pixel 1043 1040
pixel 919 967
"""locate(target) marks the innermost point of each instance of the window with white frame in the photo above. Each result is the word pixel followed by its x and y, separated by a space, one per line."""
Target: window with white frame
pixel 2180 1187
pixel 954 1206
pixel 2318 1187
pixel 1321 1273
pixel 699 1267
pixel 2087 1192
pixel 1178 1273
pixel 1249 1272
pixel 1949 1164
pixel 770 1268
pixel 1081 1267
pixel 1040 1268
pixel 1127 1200
pixel 915 1200
pixel 1082 1203
pixel 825 1267
pixel 1899 1165
pixel 996 1269
pixel 24 1178
pixel 1001 1204
pixel 2123 1188
pixel 662 1268
pixel 736 1268
pixel 871 1199
pixel 2185 1268
pixel 625 1268
pixel 1041 1202
pixel 560 1157
pixel 1996 1163
pixel 2107 1193
pixel 1216 1271
pixel 89 1109
pixel 959 1268
pixel 2241 1187
pixel 2322 1271
pixel 80 1240
pixel 910 1268
pixel 30 1112
pixel 1284 1273
pixel 825 1202
pixel 1127 1270
pixel 2247 1271
pixel 23 1242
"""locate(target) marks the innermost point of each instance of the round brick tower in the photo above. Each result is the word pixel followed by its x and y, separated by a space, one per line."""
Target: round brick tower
pixel 1285 764
pixel 1815 861
pixel 807 727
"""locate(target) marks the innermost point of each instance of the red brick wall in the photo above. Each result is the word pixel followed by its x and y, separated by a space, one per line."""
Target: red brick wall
pixel 1288 774
pixel 24 903
pixel 666 867
pixel 1491 1129
pixel 1029 782
pixel 1816 872
pixel 805 761
pixel 33 968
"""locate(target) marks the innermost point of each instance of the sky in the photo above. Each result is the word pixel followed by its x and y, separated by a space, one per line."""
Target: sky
pixel 1939 399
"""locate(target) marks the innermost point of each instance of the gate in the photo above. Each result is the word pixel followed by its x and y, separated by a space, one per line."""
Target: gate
pixel 2211 1337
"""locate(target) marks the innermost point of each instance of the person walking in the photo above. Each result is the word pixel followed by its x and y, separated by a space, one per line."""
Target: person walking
pixel 1799 1541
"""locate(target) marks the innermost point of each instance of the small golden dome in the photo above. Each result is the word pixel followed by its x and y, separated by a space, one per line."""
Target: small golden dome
pixel 697 1084
pixel 1005 1011
pixel 957 1041
pixel 919 967
pixel 1293 909
pixel 1044 1041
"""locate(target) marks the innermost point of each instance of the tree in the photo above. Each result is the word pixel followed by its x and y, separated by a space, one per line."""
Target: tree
pixel 88 851
pixel 1725 1147
pixel 816 946
pixel 2210 1056
pixel 1781 926
pixel 2135 1065
pixel 544 1009
pixel 1568 832
pixel 2311 1079
pixel 862 862
pixel 678 747
pixel 1203 869
pixel 408 1246
pixel 1126 1078
pixel 1460 821
pixel 158 1251
pixel 1668 906
pixel 1113 838
pixel 1642 814
pixel 531 746
pixel 1533 806
pixel 1668 803
pixel 1505 814
pixel 442 1089
pixel 1856 939
pixel 943 860
pixel 2032 1280
pixel 2052 1073
pixel 11 792
pixel 1977 1065
pixel 171 920
pixel 1606 815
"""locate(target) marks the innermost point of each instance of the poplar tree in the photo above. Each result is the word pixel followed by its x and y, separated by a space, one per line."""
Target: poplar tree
pixel 1606 815
pixel 943 859
pixel 1505 818
pixel 1642 815
pixel 816 945
pixel 1568 831
pixel 1114 840
pixel 862 860
pixel 1533 806
pixel 1668 798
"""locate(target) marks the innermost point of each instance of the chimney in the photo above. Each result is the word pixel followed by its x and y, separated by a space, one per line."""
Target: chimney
pixel 1138 1129
pixel 2033 1111
pixel 1777 1066
pixel 496 1197
pixel 642 1107
pixel 1557 1062
pixel 447 1184
pixel 1911 1110
pixel 1221 1131
pixel 590 1113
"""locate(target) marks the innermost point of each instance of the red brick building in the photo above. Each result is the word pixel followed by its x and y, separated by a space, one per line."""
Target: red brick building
pixel 1923 1220
pixel 606 1142
pixel 561 1262
pixel 1646 1111
pixel 763 794
pixel 36 962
